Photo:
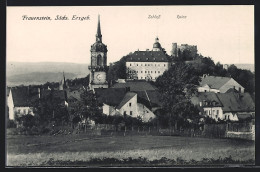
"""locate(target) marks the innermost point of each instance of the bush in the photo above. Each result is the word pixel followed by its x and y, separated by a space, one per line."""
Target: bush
pixel 11 124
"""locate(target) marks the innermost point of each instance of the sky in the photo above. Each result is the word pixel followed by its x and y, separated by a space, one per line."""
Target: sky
pixel 224 33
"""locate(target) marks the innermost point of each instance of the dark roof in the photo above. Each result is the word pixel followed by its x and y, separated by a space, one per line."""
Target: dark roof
pixel 128 96
pixel 22 97
pixel 214 81
pixel 135 85
pixel 74 93
pixel 237 102
pixel 148 56
pixel 57 96
pixel 208 97
pixel 230 102
pixel 110 96
pixel 150 98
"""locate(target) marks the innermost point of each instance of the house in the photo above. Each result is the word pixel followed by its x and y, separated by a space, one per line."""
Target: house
pixel 209 104
pixel 121 101
pixel 237 105
pixel 20 101
pixel 219 84
pixel 225 106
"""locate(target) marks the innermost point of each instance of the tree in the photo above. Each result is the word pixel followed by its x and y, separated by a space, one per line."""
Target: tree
pixel 90 105
pixel 177 85
pixel 244 77
pixel 117 70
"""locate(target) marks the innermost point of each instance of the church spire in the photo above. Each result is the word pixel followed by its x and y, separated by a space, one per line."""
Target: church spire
pixel 64 81
pixel 98 35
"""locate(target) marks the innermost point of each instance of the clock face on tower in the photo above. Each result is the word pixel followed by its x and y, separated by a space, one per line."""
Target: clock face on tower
pixel 100 77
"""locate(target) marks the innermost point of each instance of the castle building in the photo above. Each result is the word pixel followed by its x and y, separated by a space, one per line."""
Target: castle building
pixel 176 49
pixel 147 65
pixel 98 68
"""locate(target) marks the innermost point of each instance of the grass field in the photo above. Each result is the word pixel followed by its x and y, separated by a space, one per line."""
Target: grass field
pixel 37 150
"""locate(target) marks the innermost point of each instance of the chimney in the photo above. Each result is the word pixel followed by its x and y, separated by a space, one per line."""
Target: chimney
pixel 127 89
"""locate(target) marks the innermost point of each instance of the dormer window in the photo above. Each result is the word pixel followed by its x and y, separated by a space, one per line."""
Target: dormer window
pixel 147 58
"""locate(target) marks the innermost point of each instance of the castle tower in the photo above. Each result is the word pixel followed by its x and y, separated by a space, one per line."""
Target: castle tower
pixel 98 68
pixel 157 45
pixel 174 51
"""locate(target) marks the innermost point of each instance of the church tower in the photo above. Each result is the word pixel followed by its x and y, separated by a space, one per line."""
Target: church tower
pixel 98 68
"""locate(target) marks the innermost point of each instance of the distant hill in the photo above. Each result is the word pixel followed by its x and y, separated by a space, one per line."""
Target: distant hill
pixel 39 73
pixel 250 67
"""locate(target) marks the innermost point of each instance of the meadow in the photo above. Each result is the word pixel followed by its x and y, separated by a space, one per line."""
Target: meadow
pixel 68 149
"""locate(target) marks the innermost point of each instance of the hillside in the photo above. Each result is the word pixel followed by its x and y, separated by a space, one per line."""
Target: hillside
pixel 38 73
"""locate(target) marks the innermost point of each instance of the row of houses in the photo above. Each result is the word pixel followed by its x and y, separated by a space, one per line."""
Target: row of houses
pixel 218 97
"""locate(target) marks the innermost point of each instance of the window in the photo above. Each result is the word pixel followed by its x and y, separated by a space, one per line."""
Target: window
pixel 217 112
pixel 145 64
pixel 205 91
pixel 130 104
pixel 141 64
pixel 158 71
pixel 144 71
pixel 151 71
pixel 148 64
pixel 136 64
pixel 136 71
pixel 141 77
pixel 239 89
pixel 24 111
pixel 131 113
pixel 124 112
pixel 130 64
pixel 154 71
pixel 141 71
pixel 18 110
pixel 155 64
pixel 148 71
pixel 164 65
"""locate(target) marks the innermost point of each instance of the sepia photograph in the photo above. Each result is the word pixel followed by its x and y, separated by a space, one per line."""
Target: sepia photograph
pixel 130 86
